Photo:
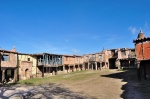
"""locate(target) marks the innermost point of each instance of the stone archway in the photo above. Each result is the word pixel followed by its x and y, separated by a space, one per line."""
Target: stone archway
pixel 27 73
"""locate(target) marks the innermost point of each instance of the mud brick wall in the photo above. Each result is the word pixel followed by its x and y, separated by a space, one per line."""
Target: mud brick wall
pixel 12 60
pixel 68 60
pixel 26 69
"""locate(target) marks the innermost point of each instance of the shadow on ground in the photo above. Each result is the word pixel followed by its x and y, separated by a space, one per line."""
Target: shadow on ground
pixel 47 91
pixel 133 89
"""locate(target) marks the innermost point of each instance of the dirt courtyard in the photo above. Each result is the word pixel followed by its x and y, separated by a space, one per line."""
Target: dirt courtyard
pixel 105 84
pixel 99 86
pixel 112 84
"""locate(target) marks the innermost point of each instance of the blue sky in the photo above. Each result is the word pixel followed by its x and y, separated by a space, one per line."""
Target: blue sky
pixel 71 26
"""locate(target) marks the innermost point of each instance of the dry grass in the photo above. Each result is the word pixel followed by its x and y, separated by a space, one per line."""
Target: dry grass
pixel 105 84
pixel 70 77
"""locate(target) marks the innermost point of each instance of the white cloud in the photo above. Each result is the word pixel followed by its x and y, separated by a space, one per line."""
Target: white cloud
pixel 132 29
pixel 146 25
pixel 76 51
pixel 48 48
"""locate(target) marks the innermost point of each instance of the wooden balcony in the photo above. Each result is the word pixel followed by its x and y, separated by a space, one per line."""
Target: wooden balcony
pixel 92 59
pixel 132 55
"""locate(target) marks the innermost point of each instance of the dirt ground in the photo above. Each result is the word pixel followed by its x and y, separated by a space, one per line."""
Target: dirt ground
pixel 113 84
pixel 99 86
pixel 105 84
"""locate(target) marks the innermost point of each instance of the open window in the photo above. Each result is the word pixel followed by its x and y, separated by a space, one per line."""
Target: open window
pixel 5 58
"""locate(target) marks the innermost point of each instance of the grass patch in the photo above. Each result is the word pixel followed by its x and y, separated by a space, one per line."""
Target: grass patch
pixel 74 76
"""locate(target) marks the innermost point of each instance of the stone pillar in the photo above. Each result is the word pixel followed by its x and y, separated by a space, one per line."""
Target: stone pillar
pixel 117 63
pixel 95 65
pixel 15 75
pixel 56 70
pixel 139 71
pixel 74 68
pixel 79 68
pixel 3 75
pixel 129 64
pixel 108 65
pixel 88 65
pixel 100 65
pixel 63 68
pixel 69 68
pixel 83 66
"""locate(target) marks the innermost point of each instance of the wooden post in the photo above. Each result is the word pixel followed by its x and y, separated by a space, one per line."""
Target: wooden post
pixel 43 65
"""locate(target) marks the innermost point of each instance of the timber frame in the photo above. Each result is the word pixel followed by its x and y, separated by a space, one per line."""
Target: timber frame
pixel 48 64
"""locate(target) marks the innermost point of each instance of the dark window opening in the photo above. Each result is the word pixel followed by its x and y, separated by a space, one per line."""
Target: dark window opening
pixel 66 58
pixel 100 56
pixel 28 59
pixel 5 58
pixel 123 53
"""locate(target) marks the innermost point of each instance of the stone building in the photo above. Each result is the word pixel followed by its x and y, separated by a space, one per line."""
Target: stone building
pixel 68 63
pixel 8 66
pixel 48 64
pixel 78 63
pixel 142 49
pixel 72 63
pixel 125 57
pixel 96 61
pixel 27 66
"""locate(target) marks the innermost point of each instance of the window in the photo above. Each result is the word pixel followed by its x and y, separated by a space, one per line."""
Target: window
pixel 28 59
pixel 76 59
pixel 66 58
pixel 123 53
pixel 87 57
pixel 100 56
pixel 5 58
pixel 113 52
pixel 93 56
pixel 8 72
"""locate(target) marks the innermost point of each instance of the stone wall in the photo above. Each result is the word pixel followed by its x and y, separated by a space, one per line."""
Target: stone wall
pixel 11 62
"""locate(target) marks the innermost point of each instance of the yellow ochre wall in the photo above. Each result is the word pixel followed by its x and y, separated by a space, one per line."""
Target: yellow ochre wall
pixel 25 58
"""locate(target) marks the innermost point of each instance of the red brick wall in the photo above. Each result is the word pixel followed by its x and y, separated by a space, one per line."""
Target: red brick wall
pixel 146 50
pixel 143 51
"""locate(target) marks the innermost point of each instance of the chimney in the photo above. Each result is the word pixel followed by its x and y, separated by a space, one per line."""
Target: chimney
pixel 13 49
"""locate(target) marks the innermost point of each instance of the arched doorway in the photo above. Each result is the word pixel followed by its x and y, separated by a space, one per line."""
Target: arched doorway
pixel 27 73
